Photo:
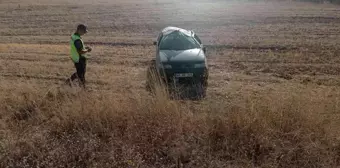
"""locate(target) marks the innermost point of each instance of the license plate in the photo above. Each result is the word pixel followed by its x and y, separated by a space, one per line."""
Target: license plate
pixel 183 75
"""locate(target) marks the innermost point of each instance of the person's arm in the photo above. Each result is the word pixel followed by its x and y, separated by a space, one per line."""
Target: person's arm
pixel 83 51
pixel 80 47
pixel 89 49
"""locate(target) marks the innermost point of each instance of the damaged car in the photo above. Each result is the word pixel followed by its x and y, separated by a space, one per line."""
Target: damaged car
pixel 180 63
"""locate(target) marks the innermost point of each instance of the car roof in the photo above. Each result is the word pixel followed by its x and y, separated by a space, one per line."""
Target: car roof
pixel 170 29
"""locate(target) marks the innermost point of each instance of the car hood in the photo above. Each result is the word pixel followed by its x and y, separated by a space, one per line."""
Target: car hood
pixel 192 55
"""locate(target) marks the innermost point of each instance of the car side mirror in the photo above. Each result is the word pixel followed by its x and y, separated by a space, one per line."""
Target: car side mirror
pixel 155 43
pixel 204 49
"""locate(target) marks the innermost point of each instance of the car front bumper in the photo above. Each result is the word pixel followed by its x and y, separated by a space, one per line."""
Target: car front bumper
pixel 185 76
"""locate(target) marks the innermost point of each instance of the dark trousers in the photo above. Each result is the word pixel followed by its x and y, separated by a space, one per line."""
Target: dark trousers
pixel 81 70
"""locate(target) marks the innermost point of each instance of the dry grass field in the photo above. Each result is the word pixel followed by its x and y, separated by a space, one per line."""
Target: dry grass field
pixel 273 96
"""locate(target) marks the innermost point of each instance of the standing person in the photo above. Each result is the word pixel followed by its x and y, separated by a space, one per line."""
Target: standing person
pixel 78 55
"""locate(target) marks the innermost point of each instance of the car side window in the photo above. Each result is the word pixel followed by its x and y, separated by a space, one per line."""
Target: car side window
pixel 198 39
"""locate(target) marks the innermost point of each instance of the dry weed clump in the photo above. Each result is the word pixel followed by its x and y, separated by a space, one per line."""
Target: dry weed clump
pixel 85 129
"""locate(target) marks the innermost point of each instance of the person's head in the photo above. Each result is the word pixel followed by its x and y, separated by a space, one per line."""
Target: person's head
pixel 81 29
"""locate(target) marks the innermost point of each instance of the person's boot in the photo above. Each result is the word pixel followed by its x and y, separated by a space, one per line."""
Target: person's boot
pixel 82 84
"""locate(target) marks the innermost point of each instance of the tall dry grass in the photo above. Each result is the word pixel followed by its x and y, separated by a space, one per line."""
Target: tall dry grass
pixel 65 128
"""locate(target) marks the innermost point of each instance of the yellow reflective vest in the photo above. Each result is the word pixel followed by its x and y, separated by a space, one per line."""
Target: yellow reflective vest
pixel 74 52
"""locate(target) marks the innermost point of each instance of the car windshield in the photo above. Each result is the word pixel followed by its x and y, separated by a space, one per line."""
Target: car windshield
pixel 178 41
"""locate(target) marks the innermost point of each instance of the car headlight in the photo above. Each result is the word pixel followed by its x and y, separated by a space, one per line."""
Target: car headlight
pixel 165 66
pixel 201 65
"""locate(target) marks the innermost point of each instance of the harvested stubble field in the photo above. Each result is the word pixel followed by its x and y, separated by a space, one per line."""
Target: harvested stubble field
pixel 273 96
